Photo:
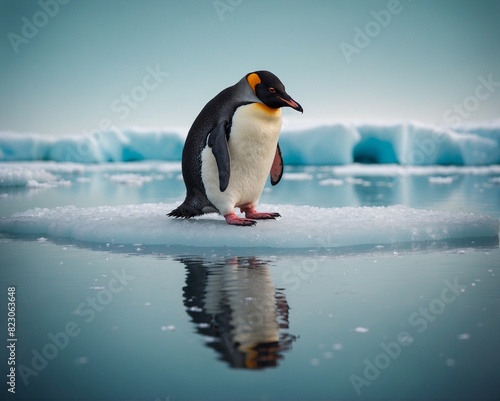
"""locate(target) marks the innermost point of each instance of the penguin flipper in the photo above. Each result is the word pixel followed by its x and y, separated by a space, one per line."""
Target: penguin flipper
pixel 277 167
pixel 217 140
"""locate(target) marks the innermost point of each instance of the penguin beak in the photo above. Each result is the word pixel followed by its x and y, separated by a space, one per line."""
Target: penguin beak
pixel 291 103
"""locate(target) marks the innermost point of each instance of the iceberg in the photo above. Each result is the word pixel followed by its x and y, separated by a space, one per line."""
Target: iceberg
pixel 301 227
pixel 319 145
pixel 410 143
pixel 134 144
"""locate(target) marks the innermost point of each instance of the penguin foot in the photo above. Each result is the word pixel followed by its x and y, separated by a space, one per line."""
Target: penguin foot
pixel 232 219
pixel 251 213
pixel 184 212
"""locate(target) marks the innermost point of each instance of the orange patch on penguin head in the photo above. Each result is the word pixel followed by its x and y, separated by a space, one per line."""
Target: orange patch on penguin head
pixel 253 80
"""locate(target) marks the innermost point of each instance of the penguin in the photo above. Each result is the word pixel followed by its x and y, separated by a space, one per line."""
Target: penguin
pixel 231 149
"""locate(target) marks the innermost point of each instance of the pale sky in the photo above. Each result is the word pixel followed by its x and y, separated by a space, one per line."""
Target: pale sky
pixel 66 68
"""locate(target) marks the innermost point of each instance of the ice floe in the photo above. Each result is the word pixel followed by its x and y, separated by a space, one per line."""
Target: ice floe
pixel 300 226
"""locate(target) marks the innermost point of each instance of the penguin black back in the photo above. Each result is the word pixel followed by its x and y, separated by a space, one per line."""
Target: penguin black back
pixel 217 110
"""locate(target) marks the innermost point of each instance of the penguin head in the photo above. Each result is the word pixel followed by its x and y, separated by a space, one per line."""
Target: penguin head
pixel 270 90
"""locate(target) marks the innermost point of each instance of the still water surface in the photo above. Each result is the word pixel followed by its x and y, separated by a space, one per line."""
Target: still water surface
pixel 111 322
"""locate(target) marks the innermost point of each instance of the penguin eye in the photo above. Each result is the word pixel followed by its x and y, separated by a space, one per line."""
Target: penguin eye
pixel 272 90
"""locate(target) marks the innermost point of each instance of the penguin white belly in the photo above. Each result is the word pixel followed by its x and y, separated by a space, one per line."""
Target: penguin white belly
pixel 252 145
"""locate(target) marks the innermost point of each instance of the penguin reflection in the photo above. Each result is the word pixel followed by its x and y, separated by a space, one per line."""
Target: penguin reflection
pixel 236 307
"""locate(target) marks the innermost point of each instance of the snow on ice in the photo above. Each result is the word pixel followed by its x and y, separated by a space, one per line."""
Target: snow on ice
pixel 300 227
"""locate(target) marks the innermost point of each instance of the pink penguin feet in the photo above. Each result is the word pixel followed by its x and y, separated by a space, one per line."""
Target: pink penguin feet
pixel 250 216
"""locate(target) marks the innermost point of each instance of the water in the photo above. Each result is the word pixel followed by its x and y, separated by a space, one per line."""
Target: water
pixel 111 322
